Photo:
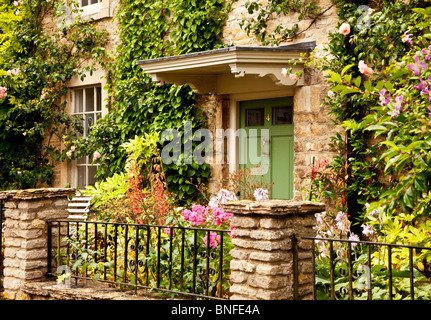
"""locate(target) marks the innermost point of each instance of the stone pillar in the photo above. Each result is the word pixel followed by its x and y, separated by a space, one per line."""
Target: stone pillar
pixel 26 234
pixel 263 261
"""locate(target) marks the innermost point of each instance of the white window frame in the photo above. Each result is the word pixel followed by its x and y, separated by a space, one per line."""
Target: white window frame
pixel 86 161
pixel 90 8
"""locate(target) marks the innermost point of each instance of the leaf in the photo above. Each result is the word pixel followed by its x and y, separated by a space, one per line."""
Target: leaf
pixel 349 90
pixel 357 81
pixel 375 127
pixel 335 77
pixel 347 68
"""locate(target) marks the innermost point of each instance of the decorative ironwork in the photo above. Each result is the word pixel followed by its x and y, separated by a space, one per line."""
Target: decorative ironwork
pixel 141 256
pixel 351 270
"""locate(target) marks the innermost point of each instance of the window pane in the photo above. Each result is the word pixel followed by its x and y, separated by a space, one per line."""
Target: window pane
pixel 255 117
pixel 84 3
pixel 89 121
pixel 282 115
pixel 99 99
pixel 79 101
pixel 89 99
pixel 94 1
pixel 91 174
pixel 81 177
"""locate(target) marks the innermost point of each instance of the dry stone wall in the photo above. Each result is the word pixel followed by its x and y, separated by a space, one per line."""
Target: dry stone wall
pixel 26 234
pixel 263 260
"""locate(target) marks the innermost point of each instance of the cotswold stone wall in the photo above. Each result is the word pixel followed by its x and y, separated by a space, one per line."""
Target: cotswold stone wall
pixel 263 261
pixel 26 234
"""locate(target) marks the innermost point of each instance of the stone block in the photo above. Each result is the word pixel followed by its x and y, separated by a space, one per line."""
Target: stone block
pixel 241 265
pixel 267 282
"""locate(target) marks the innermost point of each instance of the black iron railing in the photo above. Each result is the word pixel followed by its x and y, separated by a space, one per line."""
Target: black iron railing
pixel 187 261
pixel 350 270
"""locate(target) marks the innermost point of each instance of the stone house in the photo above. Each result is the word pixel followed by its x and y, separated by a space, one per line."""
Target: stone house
pixel 243 87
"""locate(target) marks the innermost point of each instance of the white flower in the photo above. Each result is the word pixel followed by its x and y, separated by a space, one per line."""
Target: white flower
pixel 213 202
pixel 225 196
pixel 69 153
pixel 331 94
pixel 343 223
pixel 354 237
pixel 72 148
pixel 369 231
pixel 284 72
pixel 260 194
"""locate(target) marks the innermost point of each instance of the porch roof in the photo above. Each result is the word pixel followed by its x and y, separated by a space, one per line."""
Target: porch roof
pixel 235 69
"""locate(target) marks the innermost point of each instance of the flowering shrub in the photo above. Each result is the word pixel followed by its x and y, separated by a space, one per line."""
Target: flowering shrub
pixel 379 81
pixel 319 178
pixel 34 68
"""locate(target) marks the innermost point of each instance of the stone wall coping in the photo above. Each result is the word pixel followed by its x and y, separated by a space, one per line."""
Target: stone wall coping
pixel 273 207
pixel 29 194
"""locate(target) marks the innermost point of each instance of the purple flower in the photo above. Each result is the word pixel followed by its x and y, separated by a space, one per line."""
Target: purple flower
pixel 407 37
pixel 428 53
pixel 397 106
pixel 429 109
pixel 417 66
pixel 427 92
pixel 384 100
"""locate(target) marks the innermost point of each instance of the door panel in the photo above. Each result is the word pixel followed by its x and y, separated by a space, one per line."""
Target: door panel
pixel 281 167
pixel 269 142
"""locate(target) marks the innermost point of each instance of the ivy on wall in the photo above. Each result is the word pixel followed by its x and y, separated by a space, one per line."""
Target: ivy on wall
pixel 151 29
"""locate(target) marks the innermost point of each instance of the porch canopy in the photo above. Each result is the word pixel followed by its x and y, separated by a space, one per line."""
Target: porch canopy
pixel 230 70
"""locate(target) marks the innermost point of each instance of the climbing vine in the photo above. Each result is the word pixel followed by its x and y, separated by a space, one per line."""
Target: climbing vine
pixel 34 68
pixel 152 29
pixel 263 13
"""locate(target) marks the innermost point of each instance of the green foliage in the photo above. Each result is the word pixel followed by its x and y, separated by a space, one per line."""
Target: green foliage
pixel 138 106
pixel 262 13
pixel 33 113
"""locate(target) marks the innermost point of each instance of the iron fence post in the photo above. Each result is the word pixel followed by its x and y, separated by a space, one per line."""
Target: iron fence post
pixel 295 268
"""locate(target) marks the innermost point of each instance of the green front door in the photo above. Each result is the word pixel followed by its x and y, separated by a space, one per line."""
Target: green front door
pixel 268 143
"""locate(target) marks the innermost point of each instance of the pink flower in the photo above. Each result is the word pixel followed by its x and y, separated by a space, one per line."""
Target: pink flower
pixel 406 37
pixel 417 66
pixel 363 68
pixel 293 76
pixel 63 40
pixel 15 3
pixel 3 93
pixel 60 33
pixel 14 72
pixel 344 29
pixel 214 239
pixel 96 156
pixel 168 231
